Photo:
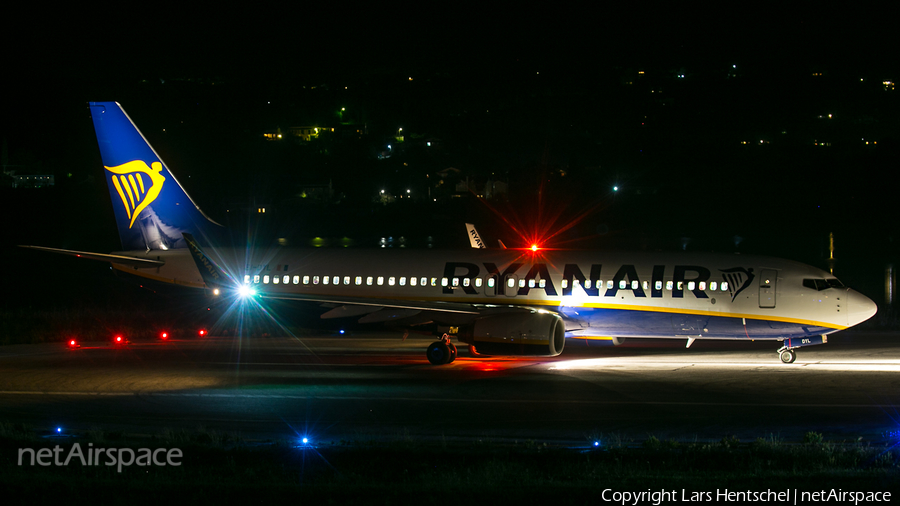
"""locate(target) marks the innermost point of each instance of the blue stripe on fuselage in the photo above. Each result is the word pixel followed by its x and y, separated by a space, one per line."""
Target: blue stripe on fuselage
pixel 635 323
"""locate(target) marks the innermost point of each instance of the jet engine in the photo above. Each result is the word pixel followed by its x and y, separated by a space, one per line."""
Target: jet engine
pixel 533 334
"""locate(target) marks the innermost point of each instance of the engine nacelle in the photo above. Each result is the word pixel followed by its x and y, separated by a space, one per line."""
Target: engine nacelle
pixel 532 334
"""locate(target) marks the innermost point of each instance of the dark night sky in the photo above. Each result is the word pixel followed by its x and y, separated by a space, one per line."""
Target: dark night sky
pixel 520 93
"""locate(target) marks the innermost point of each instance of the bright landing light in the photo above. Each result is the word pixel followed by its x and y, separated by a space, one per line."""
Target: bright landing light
pixel 245 291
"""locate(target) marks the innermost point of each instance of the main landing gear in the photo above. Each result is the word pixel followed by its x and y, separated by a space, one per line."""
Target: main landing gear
pixel 441 352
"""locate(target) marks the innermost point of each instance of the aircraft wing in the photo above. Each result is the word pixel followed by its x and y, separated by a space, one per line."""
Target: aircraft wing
pixel 105 257
pixel 214 276
pixel 357 306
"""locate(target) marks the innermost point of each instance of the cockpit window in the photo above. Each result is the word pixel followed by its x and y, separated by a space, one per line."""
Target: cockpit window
pixel 822 284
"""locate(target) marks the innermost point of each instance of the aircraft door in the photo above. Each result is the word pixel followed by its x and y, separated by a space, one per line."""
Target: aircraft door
pixel 767 280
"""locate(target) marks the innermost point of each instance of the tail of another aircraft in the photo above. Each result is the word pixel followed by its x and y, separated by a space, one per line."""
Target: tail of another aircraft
pixel 152 209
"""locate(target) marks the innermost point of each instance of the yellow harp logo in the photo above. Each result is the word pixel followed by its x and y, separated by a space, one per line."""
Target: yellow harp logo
pixel 128 179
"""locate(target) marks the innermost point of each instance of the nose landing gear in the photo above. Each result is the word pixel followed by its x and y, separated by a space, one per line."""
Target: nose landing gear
pixel 787 356
pixel 441 352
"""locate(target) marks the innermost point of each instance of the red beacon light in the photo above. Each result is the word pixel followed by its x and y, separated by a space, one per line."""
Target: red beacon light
pixel 73 344
pixel 534 247
pixel 202 333
pixel 163 335
pixel 120 340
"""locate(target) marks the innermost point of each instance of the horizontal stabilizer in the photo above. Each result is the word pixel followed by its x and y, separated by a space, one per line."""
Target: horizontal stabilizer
pixel 104 257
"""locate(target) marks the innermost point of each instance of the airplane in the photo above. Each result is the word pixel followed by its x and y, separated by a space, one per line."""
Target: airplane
pixel 507 302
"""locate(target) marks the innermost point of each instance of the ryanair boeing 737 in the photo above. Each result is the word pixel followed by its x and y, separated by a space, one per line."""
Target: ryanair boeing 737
pixel 498 301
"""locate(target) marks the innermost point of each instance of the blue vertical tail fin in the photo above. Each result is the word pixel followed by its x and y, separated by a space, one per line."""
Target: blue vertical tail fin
pixel 152 209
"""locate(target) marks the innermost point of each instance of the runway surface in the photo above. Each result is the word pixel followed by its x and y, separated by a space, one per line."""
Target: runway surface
pixel 379 386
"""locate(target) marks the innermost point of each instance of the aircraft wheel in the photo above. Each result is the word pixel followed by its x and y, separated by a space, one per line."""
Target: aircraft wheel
pixel 438 353
pixel 453 353
pixel 788 356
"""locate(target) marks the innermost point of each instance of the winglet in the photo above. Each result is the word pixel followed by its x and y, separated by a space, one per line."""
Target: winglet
pixel 212 275
pixel 474 238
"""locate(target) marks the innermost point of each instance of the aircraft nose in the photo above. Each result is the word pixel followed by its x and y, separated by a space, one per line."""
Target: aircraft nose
pixel 861 308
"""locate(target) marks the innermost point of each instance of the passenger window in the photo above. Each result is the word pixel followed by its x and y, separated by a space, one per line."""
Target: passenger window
pixel 391 281
pixel 531 283
pixel 521 283
pixel 256 279
pixel 285 279
pixel 326 280
pixel 669 285
pixel 634 285
pixel 413 281
pixel 315 280
pixel 455 281
pixel 702 285
pixel 305 280
pixel 658 285
pixel 445 282
pixel 713 285
pixel 646 285
pixel 434 282
pixel 275 280
pixel 511 283
pixel 542 283
pixel 491 282
pixel 358 280
pixel 369 280
pixel 724 286
pixel 266 279
pixel 380 280
pixel 609 285
pixel 346 280
pixel 478 282
pixel 623 284
pixel 402 280
pixel 467 281
pixel 336 280
pixel 681 285
pixel 296 280
pixel 565 283
pixel 423 281
pixel 691 285
pixel 247 278
pixel 587 283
